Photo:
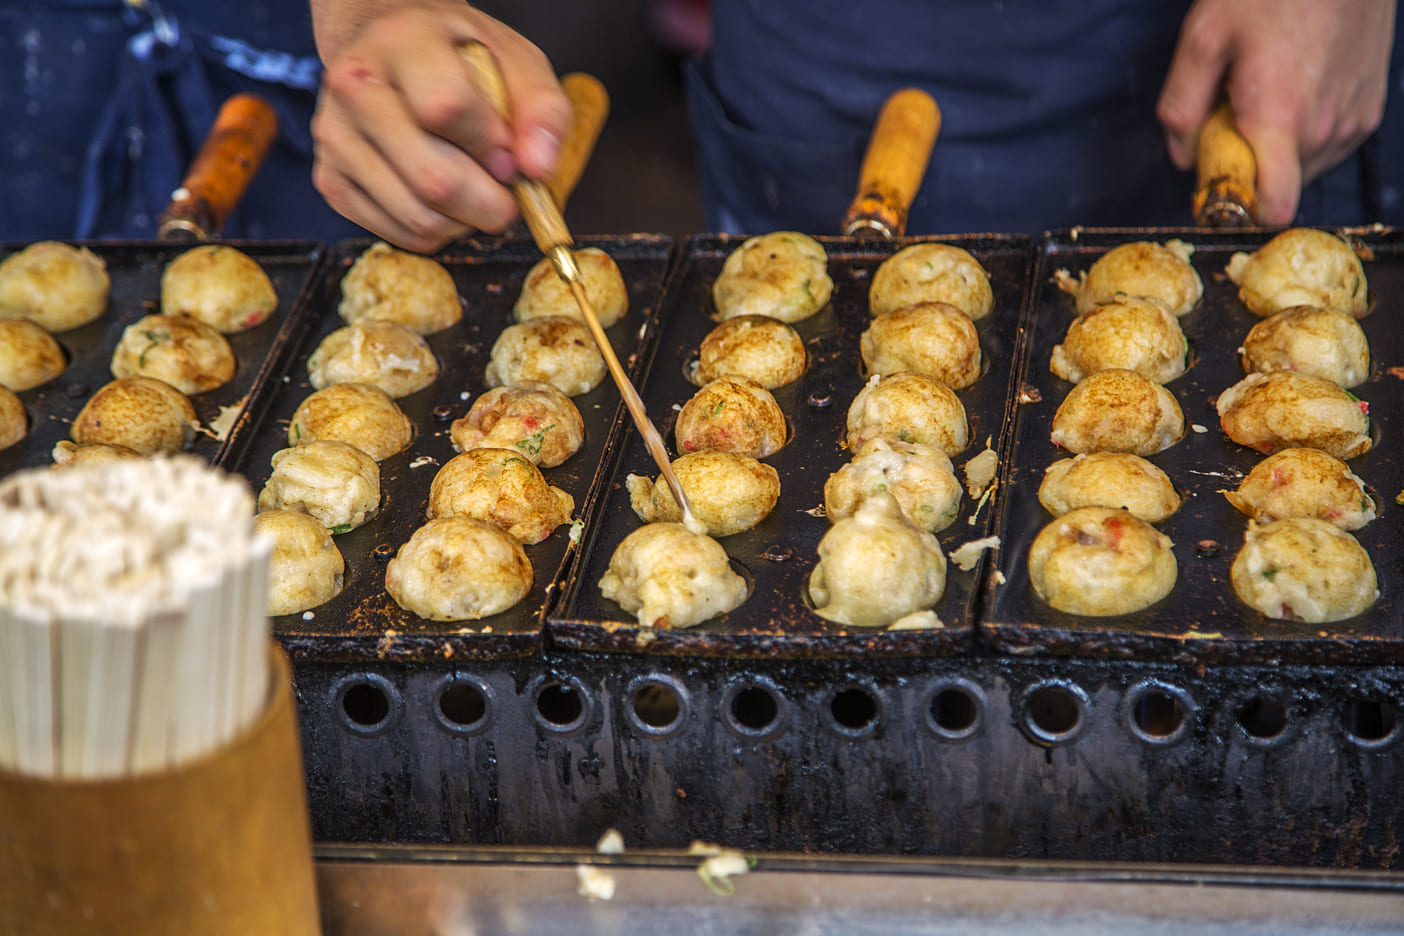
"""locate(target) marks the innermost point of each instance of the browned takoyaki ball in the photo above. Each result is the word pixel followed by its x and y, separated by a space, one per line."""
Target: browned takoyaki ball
pixel 145 415
pixel 533 419
pixel 1268 412
pixel 731 414
pixel 1118 411
pixel 932 338
pixel 1301 266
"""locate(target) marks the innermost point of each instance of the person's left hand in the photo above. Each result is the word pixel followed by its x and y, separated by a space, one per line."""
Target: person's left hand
pixel 1306 78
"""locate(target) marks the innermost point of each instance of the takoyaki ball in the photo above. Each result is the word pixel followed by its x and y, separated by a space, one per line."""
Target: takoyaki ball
pixel 931 338
pixel 355 413
pixel 545 293
pixel 1140 268
pixel 1097 561
pixel 554 350
pixel 875 568
pixel 1303 482
pixel 29 356
pixel 220 286
pixel 305 569
pixel 1268 412
pixel 1301 266
pixel 764 349
pixel 66 453
pixel 1109 479
pixel 1118 411
pixel 667 576
pixel 931 273
pixel 335 482
pixel 53 285
pixel 391 285
pixel 458 569
pixel 184 352
pixel 533 419
pixel 1304 569
pixel 731 414
pixel 1310 341
pixel 911 408
pixel 728 492
pixel 784 275
pixel 919 478
pixel 14 425
pixel 502 488
pixel 387 355
pixel 146 415
pixel 1130 333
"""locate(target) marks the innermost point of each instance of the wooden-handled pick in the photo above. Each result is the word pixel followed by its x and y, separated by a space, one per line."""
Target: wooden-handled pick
pixel 589 102
pixel 1227 193
pixel 894 164
pixel 548 228
pixel 242 133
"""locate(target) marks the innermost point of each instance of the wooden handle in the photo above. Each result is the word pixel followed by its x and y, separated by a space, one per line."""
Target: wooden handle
pixel 895 164
pixel 1227 193
pixel 241 136
pixel 590 102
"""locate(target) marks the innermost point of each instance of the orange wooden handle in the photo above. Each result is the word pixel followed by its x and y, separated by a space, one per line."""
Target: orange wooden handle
pixel 895 163
pixel 590 101
pixel 1227 193
pixel 241 136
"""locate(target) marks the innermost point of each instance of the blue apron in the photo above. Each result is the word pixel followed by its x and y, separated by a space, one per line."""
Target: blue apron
pixel 1048 111
pixel 105 105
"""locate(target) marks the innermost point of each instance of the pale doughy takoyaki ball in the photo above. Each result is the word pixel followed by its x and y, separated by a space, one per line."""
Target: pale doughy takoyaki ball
pixel 667 576
pixel 1109 479
pixel 14 424
pixel 1118 411
pixel 1304 569
pixel 874 567
pixel 145 415
pixel 545 293
pixel 1140 268
pixel 919 478
pixel 458 569
pixel 911 408
pixel 53 285
pixel 501 488
pixel 184 352
pixel 554 350
pixel 29 356
pixel 1097 561
pixel 219 285
pixel 305 568
pixel 931 338
pixel 1129 333
pixel 731 414
pixel 1304 482
pixel 66 453
pixel 1310 341
pixel 387 355
pixel 355 413
pixel 784 275
pixel 764 349
pixel 394 286
pixel 335 482
pixel 931 273
pixel 728 492
pixel 533 419
pixel 1268 412
pixel 1301 266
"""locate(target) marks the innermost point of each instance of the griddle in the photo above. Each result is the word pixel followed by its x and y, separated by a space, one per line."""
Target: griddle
pixel 1202 619
pixel 777 555
pixel 135 269
pixel 364 623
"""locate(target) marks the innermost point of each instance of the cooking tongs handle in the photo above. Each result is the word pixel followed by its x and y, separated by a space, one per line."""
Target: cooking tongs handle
pixel 241 136
pixel 895 164
pixel 1227 193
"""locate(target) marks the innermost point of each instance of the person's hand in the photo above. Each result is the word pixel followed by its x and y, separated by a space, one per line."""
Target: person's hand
pixel 1306 78
pixel 405 145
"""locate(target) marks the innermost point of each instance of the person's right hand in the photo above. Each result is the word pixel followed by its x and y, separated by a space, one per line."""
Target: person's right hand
pixel 406 147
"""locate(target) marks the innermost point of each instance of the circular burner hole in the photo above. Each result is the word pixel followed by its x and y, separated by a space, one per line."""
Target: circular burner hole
pixel 753 710
pixel 955 711
pixel 366 703
pixel 463 704
pixel 1263 718
pixel 854 711
pixel 656 704
pixel 561 705
pixel 1054 712
pixel 1371 722
pixel 1158 714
